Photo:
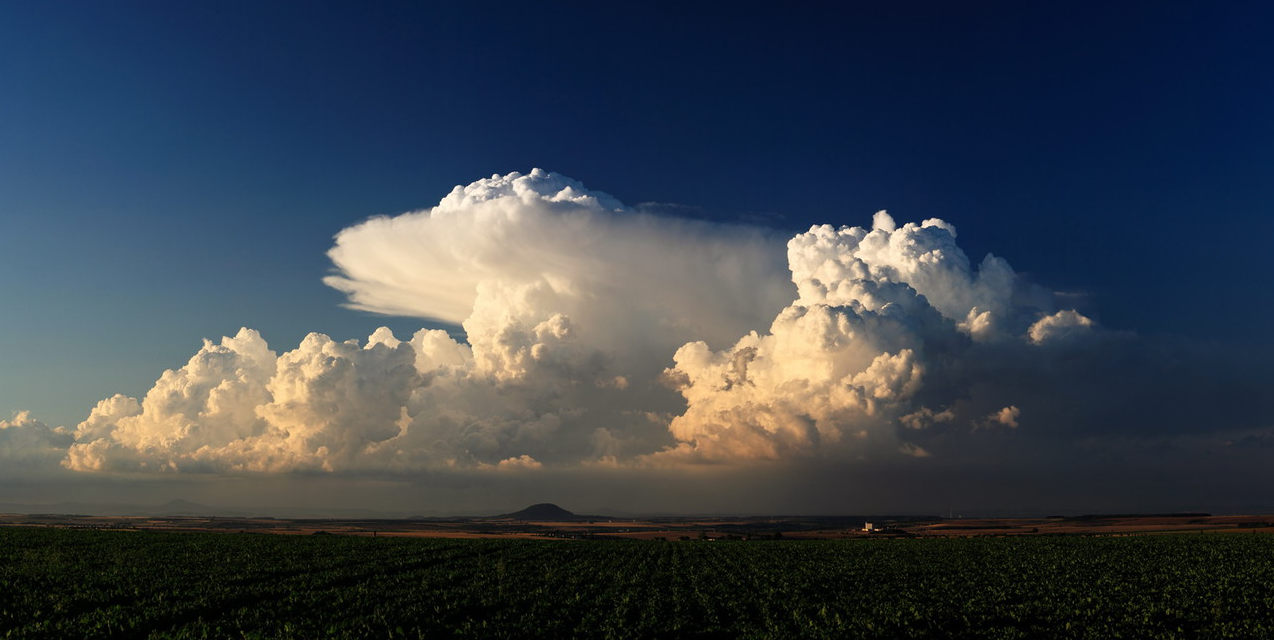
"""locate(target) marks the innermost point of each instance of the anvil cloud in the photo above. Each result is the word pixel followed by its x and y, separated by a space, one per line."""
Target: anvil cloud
pixel 598 336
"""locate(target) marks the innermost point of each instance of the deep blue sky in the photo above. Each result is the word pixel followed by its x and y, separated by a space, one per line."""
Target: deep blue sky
pixel 173 171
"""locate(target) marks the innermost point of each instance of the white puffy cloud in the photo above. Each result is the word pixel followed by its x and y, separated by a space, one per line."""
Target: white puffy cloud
pixel 211 400
pixel 890 264
pixel 27 444
pixel 386 405
pixel 236 405
pixel 877 313
pixel 801 388
pixel 1063 326
pixel 600 336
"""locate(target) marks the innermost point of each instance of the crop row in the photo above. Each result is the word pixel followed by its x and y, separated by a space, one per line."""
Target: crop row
pixel 58 583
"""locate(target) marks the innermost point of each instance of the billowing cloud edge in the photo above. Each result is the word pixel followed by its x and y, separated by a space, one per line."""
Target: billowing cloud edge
pixel 600 337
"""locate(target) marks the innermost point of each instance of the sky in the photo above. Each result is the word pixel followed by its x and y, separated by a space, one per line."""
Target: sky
pixel 456 258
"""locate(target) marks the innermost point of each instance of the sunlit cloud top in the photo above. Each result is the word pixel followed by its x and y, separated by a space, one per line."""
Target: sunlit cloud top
pixel 599 336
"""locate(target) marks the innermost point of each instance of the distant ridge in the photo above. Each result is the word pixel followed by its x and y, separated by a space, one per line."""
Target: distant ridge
pixel 1106 516
pixel 542 511
pixel 185 508
pixel 181 507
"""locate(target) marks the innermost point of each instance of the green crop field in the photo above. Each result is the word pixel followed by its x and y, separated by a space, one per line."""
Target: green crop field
pixel 60 583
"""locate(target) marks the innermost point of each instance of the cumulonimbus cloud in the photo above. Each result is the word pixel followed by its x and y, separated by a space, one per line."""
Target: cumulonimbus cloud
pixel 598 335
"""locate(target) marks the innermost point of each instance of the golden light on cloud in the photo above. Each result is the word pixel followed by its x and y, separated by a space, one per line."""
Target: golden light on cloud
pixel 596 336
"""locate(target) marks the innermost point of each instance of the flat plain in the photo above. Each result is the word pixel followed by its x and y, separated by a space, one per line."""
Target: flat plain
pixel 672 527
pixel 60 581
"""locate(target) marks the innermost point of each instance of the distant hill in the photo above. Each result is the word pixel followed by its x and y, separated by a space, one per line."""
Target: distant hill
pixel 542 511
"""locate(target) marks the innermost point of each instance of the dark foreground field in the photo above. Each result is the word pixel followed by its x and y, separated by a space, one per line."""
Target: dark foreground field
pixel 62 583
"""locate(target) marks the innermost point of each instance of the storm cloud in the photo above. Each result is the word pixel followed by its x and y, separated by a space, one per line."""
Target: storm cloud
pixel 599 339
